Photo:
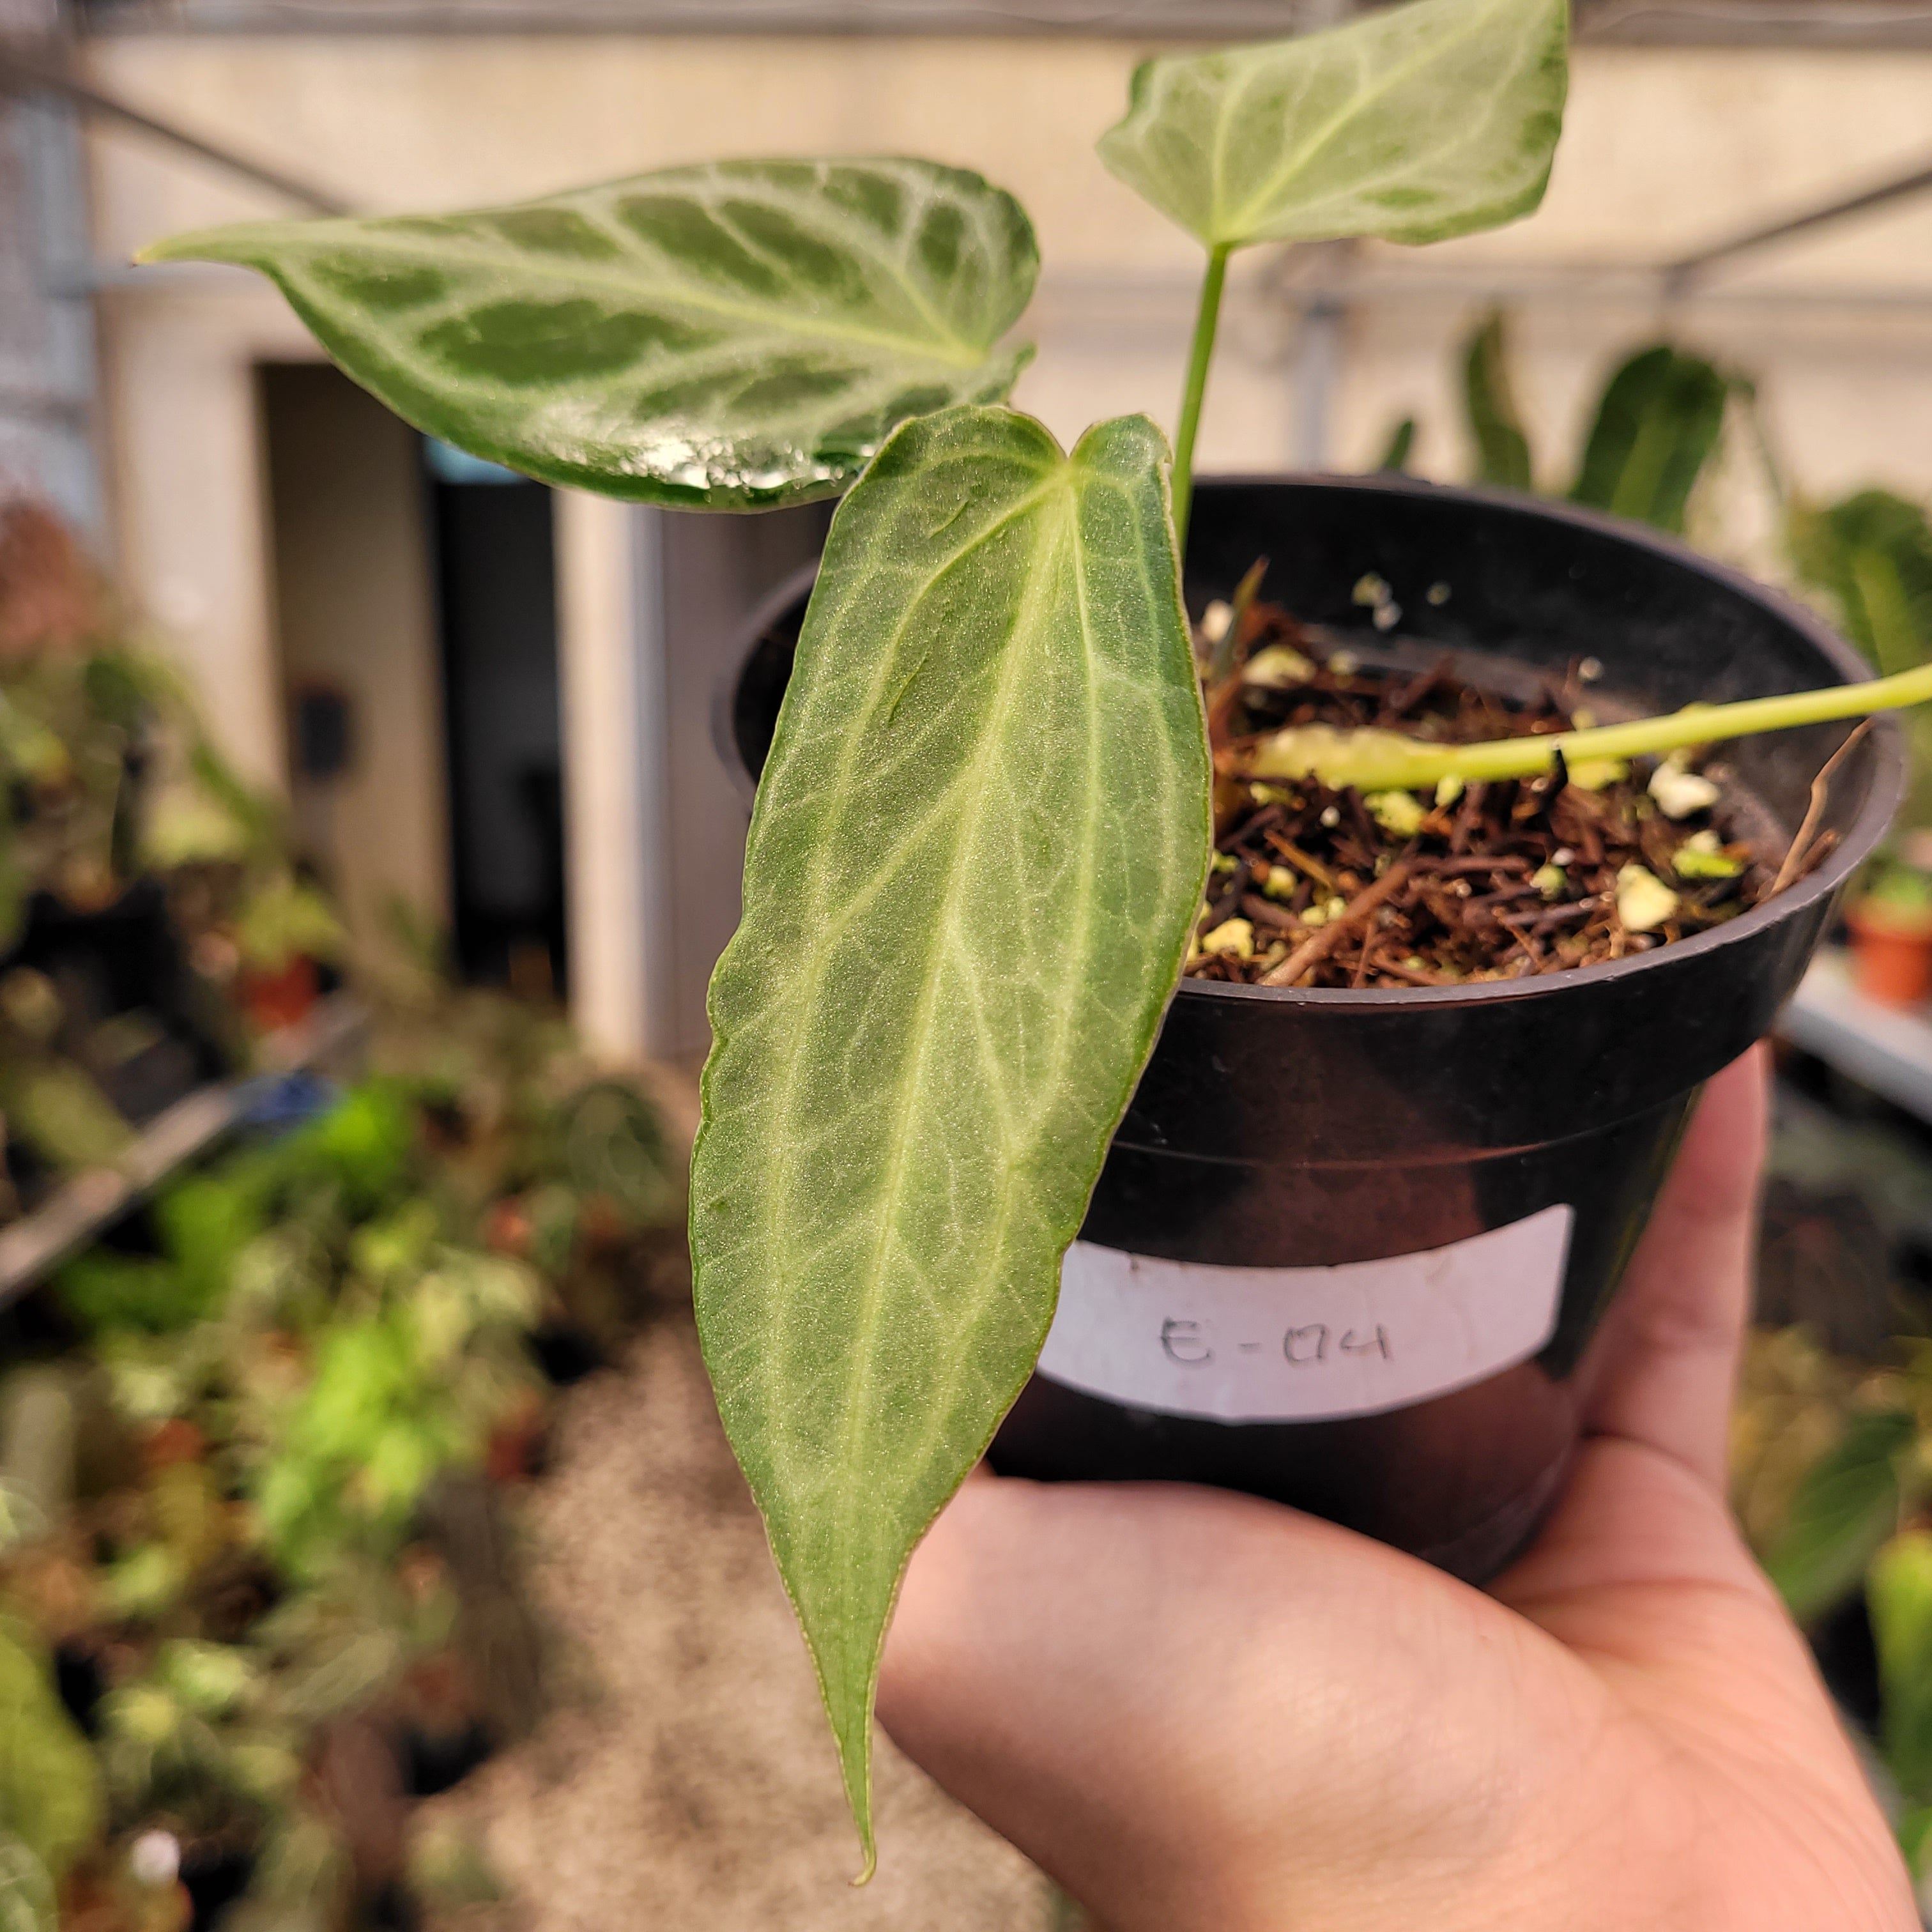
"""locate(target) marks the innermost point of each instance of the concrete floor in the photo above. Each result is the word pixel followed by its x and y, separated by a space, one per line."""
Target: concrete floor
pixel 688 1781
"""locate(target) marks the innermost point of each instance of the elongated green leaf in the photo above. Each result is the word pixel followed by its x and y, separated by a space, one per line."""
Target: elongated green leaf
pixel 978 843
pixel 1495 424
pixel 1414 124
pixel 742 333
pixel 1656 427
pixel 1845 1509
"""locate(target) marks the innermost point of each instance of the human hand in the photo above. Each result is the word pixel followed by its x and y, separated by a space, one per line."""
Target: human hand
pixel 1194 1709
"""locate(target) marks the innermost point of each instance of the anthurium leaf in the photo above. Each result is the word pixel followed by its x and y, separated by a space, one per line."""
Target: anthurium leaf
pixel 979 841
pixel 1656 426
pixel 739 334
pixel 1846 1507
pixel 1495 424
pixel 1412 124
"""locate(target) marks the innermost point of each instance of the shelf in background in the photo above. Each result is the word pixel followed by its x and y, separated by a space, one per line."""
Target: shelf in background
pixel 1886 1049
pixel 32 1247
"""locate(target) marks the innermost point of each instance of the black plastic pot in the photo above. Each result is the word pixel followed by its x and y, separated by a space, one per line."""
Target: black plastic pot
pixel 1474 1164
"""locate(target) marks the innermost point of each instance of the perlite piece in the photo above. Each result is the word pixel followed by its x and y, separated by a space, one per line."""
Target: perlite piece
pixel 1679 791
pixel 1277 668
pixel 1235 937
pixel 1396 812
pixel 1644 901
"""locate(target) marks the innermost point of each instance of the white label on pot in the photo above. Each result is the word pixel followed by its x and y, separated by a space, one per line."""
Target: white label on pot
pixel 1291 1344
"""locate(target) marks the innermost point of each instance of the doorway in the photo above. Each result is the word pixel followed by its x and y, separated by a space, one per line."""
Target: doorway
pixel 495 583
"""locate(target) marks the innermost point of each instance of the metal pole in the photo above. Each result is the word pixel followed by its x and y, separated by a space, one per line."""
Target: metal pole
pixel 1318 362
pixel 56 172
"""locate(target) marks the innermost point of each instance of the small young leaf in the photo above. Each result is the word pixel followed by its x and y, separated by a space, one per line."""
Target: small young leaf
pixel 979 842
pixel 740 333
pixel 1845 1508
pixel 1496 425
pixel 1413 125
pixel 1656 426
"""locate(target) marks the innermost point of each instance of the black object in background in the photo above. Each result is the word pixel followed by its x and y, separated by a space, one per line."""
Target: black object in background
pixel 495 578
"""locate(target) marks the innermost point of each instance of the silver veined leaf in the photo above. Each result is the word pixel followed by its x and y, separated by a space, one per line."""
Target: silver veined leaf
pixel 1412 124
pixel 731 336
pixel 979 842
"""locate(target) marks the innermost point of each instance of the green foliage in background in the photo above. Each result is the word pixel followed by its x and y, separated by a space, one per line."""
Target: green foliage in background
pixel 1869 557
pixel 51 1802
pixel 1495 424
pixel 1871 553
pixel 1898 1591
pixel 1847 1507
pixel 1657 426
pixel 1832 1475
pixel 239 1480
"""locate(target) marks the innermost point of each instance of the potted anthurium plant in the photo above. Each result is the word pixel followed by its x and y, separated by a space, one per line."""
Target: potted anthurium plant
pixel 1452 954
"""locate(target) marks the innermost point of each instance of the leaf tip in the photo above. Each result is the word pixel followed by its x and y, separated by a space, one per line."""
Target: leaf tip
pixel 194 245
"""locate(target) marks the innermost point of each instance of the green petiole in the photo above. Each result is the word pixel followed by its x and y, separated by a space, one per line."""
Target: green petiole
pixel 1206 320
pixel 1375 761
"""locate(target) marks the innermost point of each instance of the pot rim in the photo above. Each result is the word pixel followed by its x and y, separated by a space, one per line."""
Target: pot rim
pixel 1881 803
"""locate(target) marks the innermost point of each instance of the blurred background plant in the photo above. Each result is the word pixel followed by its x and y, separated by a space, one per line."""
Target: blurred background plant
pixel 149 910
pixel 250 1547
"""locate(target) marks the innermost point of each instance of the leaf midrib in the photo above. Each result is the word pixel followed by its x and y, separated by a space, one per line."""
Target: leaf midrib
pixel 951 349
pixel 945 924
pixel 1300 159
pixel 786 1107
pixel 1078 952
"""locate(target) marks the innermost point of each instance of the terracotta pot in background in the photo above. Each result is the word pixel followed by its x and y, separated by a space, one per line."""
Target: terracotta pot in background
pixel 1892 947
pixel 282 998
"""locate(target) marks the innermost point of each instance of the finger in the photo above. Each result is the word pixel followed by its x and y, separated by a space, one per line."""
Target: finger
pixel 1674 1335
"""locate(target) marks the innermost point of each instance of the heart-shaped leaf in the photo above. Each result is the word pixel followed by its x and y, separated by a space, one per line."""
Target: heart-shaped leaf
pixel 1414 124
pixel 742 334
pixel 979 841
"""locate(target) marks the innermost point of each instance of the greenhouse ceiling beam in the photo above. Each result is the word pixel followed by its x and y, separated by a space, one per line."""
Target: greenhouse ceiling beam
pixel 1687 268
pixel 1636 287
pixel 31 68
pixel 1837 23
